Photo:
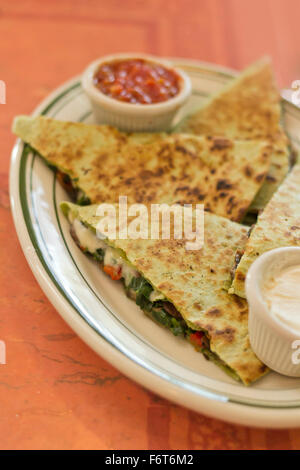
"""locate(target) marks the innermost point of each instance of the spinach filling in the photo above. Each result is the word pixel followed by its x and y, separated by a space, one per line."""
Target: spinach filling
pixel 82 199
pixel 98 255
pixel 143 289
pixel 178 327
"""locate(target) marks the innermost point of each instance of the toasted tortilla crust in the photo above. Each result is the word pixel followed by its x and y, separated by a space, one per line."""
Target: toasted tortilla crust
pixel 194 282
pixel 277 171
pixel 277 226
pixel 248 108
pixel 222 174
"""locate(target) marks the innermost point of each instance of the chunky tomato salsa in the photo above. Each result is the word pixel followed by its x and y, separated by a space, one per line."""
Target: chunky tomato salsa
pixel 137 81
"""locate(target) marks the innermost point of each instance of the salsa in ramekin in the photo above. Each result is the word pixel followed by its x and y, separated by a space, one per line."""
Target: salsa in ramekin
pixel 135 92
pixel 137 80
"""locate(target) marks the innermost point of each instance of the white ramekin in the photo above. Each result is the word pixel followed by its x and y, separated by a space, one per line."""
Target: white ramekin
pixel 134 117
pixel 272 341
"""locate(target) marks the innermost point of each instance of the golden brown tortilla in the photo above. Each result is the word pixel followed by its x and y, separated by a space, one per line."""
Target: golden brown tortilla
pixel 194 282
pixel 247 108
pixel 277 226
pixel 104 163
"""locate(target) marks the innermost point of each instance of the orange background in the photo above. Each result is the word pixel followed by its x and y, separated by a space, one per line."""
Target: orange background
pixel 55 393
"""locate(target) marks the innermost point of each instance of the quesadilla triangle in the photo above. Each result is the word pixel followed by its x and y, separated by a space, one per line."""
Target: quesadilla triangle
pixel 99 163
pixel 183 290
pixel 277 226
pixel 247 108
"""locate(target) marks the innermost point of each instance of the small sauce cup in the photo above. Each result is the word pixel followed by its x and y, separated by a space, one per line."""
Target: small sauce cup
pixel 130 117
pixel 275 343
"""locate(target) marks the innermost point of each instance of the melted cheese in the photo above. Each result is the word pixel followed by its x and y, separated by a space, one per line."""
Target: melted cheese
pixel 89 241
pixel 87 238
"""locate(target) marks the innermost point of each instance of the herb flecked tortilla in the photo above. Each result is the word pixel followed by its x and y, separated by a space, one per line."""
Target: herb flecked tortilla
pixel 247 108
pixel 223 174
pixel 277 226
pixel 194 282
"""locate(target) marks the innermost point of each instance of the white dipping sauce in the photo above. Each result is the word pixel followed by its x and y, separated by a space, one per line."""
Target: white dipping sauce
pixel 282 294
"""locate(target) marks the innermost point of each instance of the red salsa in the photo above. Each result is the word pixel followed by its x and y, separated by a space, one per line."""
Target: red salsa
pixel 137 81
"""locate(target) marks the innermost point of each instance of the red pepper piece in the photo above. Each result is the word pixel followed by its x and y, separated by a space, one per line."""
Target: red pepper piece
pixel 114 272
pixel 196 338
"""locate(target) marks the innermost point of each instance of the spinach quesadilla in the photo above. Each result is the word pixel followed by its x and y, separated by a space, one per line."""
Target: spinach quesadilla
pixel 247 108
pixel 181 289
pixel 277 226
pixel 99 163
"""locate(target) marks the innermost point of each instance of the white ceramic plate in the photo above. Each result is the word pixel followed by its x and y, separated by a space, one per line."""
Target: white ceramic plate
pixel 97 308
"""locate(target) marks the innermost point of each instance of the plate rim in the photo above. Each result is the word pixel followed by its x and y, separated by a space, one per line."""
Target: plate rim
pixel 211 406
